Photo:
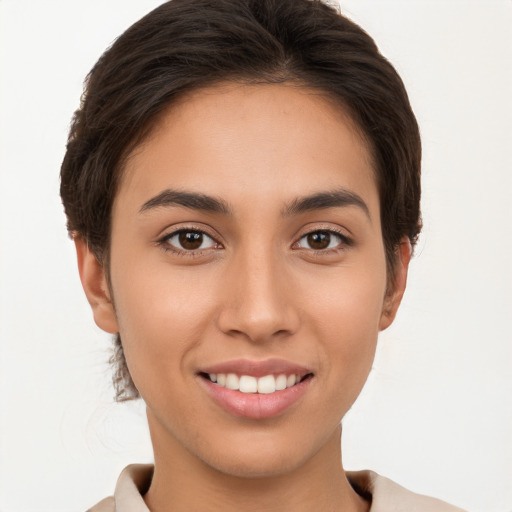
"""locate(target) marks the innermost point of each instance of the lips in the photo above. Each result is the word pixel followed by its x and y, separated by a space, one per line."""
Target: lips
pixel 255 389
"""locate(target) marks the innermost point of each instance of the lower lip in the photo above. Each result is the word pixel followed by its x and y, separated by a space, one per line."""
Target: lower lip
pixel 255 405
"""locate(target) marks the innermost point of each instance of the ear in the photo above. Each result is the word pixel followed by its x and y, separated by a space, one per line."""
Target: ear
pixel 397 287
pixel 95 285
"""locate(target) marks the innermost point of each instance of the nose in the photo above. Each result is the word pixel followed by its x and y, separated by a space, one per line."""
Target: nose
pixel 258 299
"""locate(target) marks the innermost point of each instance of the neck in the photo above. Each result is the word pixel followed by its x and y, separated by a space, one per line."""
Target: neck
pixel 181 482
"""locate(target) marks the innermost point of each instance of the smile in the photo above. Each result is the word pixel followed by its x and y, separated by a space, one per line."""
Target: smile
pixel 255 389
pixel 248 384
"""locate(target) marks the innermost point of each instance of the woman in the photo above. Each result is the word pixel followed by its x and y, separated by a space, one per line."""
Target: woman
pixel 242 183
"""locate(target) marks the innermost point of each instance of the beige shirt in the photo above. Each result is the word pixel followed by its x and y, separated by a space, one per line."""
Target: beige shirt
pixel 386 496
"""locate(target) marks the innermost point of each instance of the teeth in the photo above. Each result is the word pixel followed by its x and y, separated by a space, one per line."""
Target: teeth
pixel 232 381
pixel 280 382
pixel 248 384
pixel 266 384
pixel 290 381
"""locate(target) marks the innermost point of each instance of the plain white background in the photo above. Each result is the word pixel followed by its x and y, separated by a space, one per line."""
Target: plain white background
pixel 436 414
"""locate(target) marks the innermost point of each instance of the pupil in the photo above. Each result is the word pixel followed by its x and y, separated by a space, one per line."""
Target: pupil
pixel 190 240
pixel 319 240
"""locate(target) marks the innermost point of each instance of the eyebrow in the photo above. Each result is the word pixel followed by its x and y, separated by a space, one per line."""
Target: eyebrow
pixel 323 200
pixel 197 201
pixel 191 200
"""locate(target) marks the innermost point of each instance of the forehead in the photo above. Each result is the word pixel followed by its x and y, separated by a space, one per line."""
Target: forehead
pixel 246 140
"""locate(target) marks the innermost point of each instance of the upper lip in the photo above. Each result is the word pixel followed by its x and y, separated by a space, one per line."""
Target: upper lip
pixel 257 368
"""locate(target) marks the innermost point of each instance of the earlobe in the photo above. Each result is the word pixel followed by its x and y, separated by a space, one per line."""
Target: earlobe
pixel 95 285
pixel 394 295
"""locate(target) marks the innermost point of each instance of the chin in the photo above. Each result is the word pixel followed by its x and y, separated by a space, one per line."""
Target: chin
pixel 259 458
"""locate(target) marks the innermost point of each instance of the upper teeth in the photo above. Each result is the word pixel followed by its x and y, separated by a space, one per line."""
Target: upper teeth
pixel 250 384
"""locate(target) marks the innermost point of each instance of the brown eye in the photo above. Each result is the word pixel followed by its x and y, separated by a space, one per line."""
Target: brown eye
pixel 321 240
pixel 189 240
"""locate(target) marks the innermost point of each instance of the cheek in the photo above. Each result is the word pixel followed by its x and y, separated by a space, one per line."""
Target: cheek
pixel 162 315
pixel 346 315
pixel 348 300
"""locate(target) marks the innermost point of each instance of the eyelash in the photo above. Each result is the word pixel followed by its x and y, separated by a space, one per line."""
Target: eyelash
pixel 344 241
pixel 164 243
pixel 168 247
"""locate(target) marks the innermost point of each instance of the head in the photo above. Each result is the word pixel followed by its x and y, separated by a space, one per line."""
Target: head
pixel 185 47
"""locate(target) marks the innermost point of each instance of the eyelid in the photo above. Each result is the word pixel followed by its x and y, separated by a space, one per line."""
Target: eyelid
pixel 202 234
pixel 346 240
pixel 187 226
pixel 172 231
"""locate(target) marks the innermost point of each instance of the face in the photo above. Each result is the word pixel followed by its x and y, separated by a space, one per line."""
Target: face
pixel 247 276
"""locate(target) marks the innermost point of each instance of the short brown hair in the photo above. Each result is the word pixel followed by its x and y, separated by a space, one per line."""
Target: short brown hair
pixel 185 45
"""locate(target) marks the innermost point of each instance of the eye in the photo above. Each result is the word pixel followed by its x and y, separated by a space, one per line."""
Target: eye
pixel 321 240
pixel 189 240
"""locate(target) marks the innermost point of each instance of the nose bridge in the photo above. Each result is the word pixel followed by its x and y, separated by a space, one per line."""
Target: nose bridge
pixel 258 302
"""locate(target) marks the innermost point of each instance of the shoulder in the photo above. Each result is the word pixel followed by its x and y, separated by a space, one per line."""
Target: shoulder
pixel 131 486
pixel 388 496
pixel 106 505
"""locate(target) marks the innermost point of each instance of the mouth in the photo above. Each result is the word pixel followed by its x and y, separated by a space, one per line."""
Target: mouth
pixel 267 384
pixel 254 389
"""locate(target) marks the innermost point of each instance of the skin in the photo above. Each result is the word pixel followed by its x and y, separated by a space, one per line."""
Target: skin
pixel 255 289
